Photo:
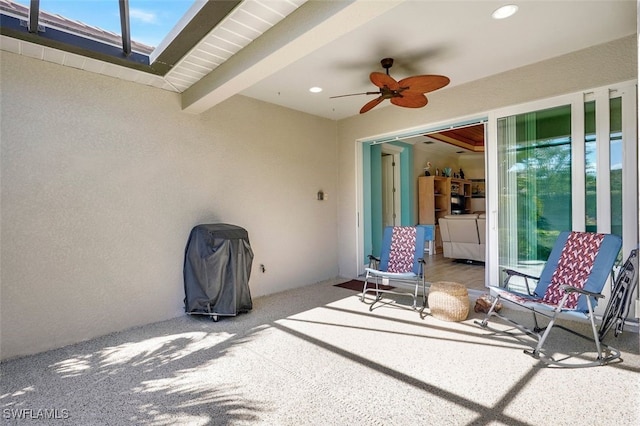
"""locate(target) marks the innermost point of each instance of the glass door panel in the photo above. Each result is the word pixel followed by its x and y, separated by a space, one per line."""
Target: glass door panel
pixel 615 166
pixel 614 146
pixel 534 203
pixel 591 175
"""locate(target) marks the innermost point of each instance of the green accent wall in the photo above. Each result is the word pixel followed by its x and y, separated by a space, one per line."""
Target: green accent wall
pixel 407 185
pixel 366 200
pixel 372 194
pixel 376 199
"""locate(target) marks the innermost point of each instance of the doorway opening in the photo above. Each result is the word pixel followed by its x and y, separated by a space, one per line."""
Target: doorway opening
pixel 390 193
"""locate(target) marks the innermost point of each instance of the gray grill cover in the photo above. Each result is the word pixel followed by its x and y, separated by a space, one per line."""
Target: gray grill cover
pixel 217 266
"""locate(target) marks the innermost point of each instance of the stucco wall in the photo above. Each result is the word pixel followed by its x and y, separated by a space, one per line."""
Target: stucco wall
pixel 102 181
pixel 585 69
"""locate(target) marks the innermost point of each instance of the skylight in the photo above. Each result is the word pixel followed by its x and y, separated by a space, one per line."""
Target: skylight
pixel 178 41
pixel 150 20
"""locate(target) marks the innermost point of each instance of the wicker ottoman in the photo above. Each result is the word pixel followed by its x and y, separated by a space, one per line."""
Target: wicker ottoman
pixel 448 301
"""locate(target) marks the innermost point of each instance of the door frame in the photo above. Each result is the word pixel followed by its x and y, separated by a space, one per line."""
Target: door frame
pixel 631 161
pixel 394 151
pixel 362 165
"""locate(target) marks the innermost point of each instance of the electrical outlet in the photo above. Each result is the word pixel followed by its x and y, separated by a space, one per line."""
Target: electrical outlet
pixel 262 269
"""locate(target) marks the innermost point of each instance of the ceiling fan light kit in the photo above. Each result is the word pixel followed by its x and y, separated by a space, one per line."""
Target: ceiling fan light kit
pixel 408 92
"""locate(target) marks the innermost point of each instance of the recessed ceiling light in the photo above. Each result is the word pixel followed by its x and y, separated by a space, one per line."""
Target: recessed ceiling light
pixel 315 89
pixel 504 11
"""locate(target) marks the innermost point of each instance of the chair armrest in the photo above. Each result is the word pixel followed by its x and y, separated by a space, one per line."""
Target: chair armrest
pixel 513 273
pixel 571 289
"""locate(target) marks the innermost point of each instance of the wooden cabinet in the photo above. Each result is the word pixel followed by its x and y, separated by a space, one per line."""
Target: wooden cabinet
pixel 435 196
pixel 439 196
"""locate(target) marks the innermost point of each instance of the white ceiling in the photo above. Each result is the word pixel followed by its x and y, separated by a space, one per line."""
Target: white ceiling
pixel 458 39
pixel 337 44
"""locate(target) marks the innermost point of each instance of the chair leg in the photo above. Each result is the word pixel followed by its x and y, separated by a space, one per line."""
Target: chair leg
pixel 541 339
pixel 596 337
pixel 605 353
pixel 376 289
pixel 485 321
pixel 600 359
pixel 364 287
pixel 415 297
pixel 535 352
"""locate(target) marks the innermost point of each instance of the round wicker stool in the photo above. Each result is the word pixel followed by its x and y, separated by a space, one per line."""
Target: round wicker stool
pixel 448 301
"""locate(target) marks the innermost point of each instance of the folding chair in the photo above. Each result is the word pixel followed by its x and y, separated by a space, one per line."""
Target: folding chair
pixel 570 284
pixel 621 297
pixel 401 262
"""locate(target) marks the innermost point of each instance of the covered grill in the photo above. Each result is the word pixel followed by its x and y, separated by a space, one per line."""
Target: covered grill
pixel 217 267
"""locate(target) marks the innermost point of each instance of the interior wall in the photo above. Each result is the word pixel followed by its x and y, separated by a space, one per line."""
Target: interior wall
pixel 472 164
pixel 423 155
pixel 102 180
pixel 585 69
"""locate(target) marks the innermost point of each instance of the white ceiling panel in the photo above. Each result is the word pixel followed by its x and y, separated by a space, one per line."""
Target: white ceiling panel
pixel 271 12
pixel 245 23
pixel 246 29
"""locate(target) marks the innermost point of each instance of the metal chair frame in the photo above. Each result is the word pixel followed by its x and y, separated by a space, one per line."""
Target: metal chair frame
pixel 375 277
pixel 617 309
pixel 605 353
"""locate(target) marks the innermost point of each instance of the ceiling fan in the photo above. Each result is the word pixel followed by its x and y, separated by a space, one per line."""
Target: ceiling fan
pixel 408 92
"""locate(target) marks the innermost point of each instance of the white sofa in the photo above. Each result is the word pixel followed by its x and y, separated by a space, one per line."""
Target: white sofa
pixel 464 236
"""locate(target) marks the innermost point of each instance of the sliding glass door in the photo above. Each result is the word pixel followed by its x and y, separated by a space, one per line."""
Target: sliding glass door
pixel 569 163
pixel 534 203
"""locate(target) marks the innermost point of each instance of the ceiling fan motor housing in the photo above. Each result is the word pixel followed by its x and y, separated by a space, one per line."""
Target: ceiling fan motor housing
pixel 387 63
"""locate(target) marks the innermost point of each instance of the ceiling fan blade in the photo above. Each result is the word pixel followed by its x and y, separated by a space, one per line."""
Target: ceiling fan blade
pixel 382 79
pixel 410 100
pixel 355 94
pixel 424 83
pixel 369 105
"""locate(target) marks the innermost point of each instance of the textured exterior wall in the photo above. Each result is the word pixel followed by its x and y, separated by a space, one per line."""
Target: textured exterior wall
pixel 102 181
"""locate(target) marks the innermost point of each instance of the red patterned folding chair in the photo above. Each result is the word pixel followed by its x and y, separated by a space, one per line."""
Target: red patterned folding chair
pixel 569 287
pixel 400 264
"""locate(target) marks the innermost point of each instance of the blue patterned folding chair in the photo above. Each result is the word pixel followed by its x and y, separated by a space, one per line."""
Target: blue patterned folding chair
pixel 569 287
pixel 401 263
